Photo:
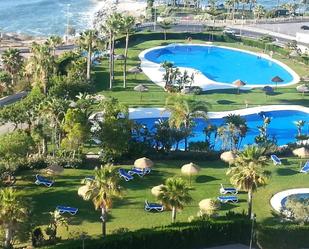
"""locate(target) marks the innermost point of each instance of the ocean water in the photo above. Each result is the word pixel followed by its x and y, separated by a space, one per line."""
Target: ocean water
pixel 221 64
pixel 46 17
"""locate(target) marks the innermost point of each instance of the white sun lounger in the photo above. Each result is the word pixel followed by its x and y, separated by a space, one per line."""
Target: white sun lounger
pixel 225 191
pixel 42 180
pixel 305 169
pixel 275 160
pixel 226 199
pixel 124 174
pixel 153 207
pixel 70 210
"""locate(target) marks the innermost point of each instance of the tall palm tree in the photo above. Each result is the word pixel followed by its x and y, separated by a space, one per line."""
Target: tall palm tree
pixel 53 42
pixel 87 41
pixel 12 63
pixel 41 64
pixel 175 194
pixel 103 189
pixel 184 110
pixel 13 213
pixel 128 23
pixel 248 172
pixel 112 27
pixel 299 124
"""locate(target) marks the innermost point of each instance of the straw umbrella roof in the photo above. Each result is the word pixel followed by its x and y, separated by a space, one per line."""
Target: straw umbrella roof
pixel 143 163
pixel 141 88
pixel 135 70
pixel 54 170
pixel 302 88
pixel 228 156
pixel 156 190
pixel 301 152
pixel 277 79
pixel 82 191
pixel 239 83
pixel 208 204
pixel 190 169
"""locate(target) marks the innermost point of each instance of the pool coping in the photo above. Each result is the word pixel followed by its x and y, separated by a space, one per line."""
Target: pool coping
pixel 153 112
pixel 155 72
pixel 276 200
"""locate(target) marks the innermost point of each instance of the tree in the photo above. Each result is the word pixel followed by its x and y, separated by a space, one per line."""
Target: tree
pixel 127 26
pixel 41 64
pixel 183 112
pixel 87 41
pixel 5 82
pixel 299 124
pixel 259 11
pixel 53 42
pixel 12 63
pixel 14 213
pixel 56 220
pixel 174 195
pixel 248 172
pixel 103 190
pixel 165 24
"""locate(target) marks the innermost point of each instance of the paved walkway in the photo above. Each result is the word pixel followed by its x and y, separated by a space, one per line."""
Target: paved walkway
pixel 234 246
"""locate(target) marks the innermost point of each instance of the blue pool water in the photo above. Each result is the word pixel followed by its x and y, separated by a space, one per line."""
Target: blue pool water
pixel 304 196
pixel 221 64
pixel 282 126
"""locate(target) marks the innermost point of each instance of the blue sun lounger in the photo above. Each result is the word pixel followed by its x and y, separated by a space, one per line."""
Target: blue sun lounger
pixel 153 207
pixel 70 210
pixel 139 172
pixel 275 160
pixel 42 180
pixel 225 191
pixel 124 174
pixel 305 169
pixel 226 199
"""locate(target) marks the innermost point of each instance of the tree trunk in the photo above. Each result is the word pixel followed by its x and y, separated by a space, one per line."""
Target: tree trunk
pixel 44 146
pixel 88 62
pixel 250 202
pixel 8 238
pixel 113 58
pixel 164 34
pixel 111 55
pixel 103 218
pixel 125 62
pixel 173 214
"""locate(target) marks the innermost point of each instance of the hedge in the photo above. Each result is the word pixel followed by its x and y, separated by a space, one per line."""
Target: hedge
pixel 288 236
pixel 192 235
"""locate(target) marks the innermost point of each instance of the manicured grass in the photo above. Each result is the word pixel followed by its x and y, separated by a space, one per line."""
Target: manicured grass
pixel 129 211
pixel 220 99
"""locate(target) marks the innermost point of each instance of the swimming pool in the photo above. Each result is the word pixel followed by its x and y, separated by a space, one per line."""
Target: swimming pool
pixel 216 66
pixel 282 126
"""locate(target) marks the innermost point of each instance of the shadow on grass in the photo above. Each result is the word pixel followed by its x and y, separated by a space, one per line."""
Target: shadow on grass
pixel 304 102
pixel 205 178
pixel 286 172
pixel 228 206
pixel 225 102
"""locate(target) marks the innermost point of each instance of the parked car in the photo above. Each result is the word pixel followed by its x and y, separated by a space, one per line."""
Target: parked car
pixel 305 27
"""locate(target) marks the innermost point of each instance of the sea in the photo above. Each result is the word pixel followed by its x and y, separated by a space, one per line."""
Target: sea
pixel 48 17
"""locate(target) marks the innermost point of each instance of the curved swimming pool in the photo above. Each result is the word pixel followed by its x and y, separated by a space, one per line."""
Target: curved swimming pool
pixel 219 65
pixel 282 126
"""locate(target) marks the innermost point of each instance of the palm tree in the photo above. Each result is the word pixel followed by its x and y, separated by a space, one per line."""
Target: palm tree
pixel 248 172
pixel 259 11
pixel 165 25
pixel 112 27
pixel 53 42
pixel 12 63
pixel 174 195
pixel 299 124
pixel 41 64
pixel 87 41
pixel 184 110
pixel 103 189
pixel 128 23
pixel 13 213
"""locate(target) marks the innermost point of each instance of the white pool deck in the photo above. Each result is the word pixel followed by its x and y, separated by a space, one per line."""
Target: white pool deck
pixel 276 200
pixel 137 113
pixel 155 72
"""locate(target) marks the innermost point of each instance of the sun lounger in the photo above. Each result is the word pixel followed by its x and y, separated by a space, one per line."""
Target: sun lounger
pixel 139 172
pixel 42 180
pixel 124 174
pixel 226 199
pixel 89 178
pixel 225 191
pixel 70 210
pixel 153 207
pixel 305 169
pixel 275 159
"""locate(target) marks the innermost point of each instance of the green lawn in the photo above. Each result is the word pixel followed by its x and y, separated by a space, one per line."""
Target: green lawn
pixel 219 100
pixel 129 211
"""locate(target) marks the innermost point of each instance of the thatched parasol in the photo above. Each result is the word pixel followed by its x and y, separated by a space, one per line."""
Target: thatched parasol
pixel 119 57
pixel 141 88
pixel 276 80
pixel 156 190
pixel 208 205
pixel 54 170
pixel 190 169
pixel 143 163
pixel 239 84
pixel 135 70
pixel 82 191
pixel 301 152
pixel 228 157
pixel 303 89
